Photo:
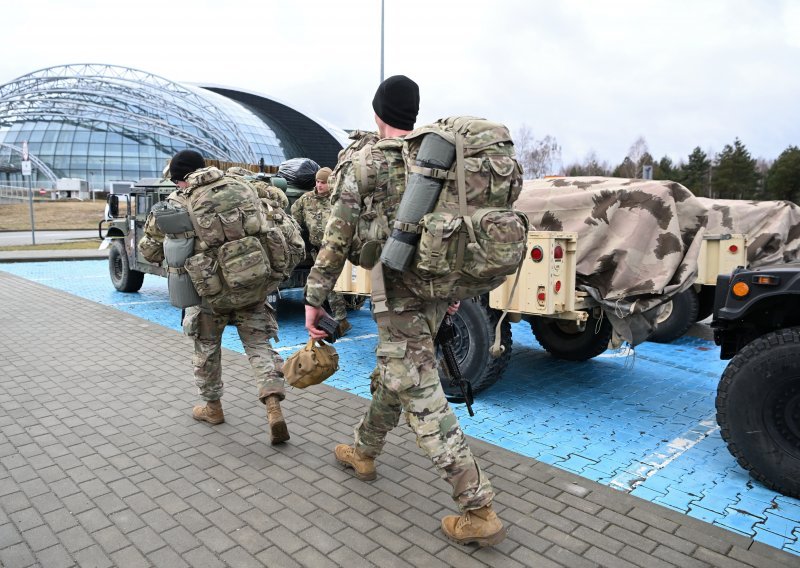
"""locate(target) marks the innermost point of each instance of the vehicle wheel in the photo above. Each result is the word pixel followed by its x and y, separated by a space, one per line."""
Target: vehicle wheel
pixel 571 340
pixel 354 302
pixel 123 278
pixel 475 324
pixel 758 409
pixel 677 317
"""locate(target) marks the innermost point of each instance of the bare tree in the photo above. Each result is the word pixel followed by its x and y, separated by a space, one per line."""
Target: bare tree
pixel 537 157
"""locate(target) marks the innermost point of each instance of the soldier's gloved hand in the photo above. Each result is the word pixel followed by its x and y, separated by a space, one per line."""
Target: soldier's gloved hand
pixel 313 313
pixel 453 308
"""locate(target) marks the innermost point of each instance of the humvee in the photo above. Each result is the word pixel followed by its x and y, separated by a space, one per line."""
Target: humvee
pixel 756 323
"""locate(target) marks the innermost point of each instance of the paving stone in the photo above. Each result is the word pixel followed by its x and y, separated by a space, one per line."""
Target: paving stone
pixel 119 475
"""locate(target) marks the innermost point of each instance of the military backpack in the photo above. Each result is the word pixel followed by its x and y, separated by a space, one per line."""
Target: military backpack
pixel 244 252
pixel 470 238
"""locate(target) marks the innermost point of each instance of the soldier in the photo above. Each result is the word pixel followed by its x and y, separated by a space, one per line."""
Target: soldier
pixel 255 323
pixel 407 378
pixel 311 211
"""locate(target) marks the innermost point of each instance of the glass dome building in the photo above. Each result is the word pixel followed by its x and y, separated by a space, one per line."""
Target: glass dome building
pixel 102 123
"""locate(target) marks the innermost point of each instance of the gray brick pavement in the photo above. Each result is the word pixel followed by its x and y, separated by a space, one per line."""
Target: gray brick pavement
pixel 102 465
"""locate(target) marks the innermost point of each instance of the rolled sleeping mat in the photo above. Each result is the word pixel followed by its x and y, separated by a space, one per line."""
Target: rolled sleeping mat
pixel 182 293
pixel 419 198
pixel 172 219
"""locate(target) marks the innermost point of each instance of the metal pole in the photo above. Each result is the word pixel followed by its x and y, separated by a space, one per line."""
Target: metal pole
pixel 30 203
pixel 382 12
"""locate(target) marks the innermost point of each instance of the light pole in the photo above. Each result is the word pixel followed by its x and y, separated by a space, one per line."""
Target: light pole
pixel 382 12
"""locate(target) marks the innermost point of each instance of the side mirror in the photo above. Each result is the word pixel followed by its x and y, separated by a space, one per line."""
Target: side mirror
pixel 113 206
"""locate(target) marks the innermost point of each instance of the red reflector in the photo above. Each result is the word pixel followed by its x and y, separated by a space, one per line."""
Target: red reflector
pixel 557 286
pixel 537 254
pixel 733 248
pixel 540 296
pixel 558 252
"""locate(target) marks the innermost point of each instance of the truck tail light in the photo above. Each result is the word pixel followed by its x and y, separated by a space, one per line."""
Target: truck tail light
pixel 558 252
pixel 557 286
pixel 537 254
pixel 733 249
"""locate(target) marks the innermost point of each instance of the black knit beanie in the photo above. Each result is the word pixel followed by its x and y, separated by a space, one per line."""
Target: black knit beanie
pixel 396 102
pixel 183 163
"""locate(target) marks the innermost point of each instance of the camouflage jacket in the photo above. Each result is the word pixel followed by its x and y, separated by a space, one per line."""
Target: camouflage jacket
pixel 372 178
pixel 311 211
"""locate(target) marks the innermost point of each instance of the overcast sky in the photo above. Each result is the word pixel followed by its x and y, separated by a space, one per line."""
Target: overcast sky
pixel 594 74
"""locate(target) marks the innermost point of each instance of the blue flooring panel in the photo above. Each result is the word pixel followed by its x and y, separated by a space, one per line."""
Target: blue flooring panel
pixel 642 422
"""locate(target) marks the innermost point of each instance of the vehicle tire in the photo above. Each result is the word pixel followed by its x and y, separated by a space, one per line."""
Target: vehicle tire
pixel 678 316
pixel 123 278
pixel 475 324
pixel 570 340
pixel 758 409
pixel 354 302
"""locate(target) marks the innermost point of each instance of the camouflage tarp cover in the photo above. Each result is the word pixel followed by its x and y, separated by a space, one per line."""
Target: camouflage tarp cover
pixel 772 227
pixel 639 240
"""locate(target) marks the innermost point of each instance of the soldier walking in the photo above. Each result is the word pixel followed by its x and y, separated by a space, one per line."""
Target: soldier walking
pixel 255 323
pixel 407 379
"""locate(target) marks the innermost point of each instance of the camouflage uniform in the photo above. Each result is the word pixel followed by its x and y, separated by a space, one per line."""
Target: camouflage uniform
pixel 255 324
pixel 409 379
pixel 311 211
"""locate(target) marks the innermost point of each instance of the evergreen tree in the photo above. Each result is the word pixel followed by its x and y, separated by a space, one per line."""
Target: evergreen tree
pixel 783 178
pixel 694 174
pixel 664 169
pixel 735 176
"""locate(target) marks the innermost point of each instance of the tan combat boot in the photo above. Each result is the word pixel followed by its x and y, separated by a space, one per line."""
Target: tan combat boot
pixel 344 327
pixel 363 466
pixel 479 525
pixel 211 412
pixel 278 432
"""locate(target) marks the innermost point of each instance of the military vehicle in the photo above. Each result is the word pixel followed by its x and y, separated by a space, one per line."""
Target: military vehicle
pixel 756 323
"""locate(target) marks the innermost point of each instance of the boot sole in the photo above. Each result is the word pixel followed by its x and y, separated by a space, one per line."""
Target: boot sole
pixel 483 541
pixel 362 476
pixel 278 433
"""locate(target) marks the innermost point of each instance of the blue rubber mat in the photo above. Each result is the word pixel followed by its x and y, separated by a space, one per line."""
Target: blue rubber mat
pixel 641 422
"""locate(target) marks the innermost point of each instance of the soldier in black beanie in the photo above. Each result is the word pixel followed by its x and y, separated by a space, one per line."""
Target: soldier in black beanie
pixel 396 103
pixel 406 378
pixel 183 163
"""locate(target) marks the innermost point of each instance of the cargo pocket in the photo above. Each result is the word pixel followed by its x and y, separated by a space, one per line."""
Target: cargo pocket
pixel 202 269
pixel 438 242
pixel 501 240
pixel 501 180
pixel 398 373
pixel 232 224
pixel 243 263
pixel 209 229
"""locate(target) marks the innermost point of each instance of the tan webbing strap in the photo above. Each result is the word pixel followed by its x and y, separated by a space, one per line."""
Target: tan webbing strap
pixel 379 307
pixel 497 349
pixel 435 173
pixel 461 184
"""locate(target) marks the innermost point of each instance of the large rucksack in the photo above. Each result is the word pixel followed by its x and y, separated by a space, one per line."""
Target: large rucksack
pixel 471 239
pixel 244 253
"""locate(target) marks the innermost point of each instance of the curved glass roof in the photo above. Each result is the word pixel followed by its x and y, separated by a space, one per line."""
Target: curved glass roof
pixel 103 122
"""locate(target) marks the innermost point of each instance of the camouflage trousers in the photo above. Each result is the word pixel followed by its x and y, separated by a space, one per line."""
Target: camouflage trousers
pixel 255 326
pixel 407 379
pixel 338 307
